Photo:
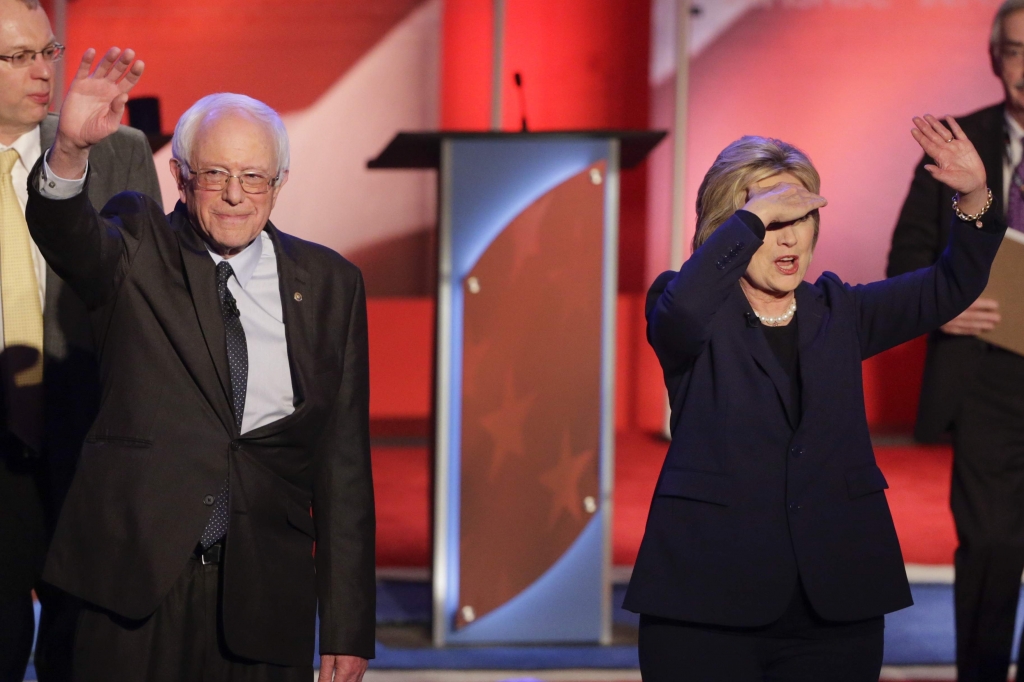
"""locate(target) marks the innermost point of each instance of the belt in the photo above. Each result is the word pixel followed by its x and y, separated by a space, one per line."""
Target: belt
pixel 211 555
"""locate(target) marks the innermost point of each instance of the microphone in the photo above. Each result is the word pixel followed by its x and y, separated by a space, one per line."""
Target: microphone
pixel 522 101
pixel 232 307
pixel 752 320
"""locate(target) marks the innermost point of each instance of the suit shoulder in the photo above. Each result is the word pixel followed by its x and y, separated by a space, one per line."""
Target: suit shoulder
pixel 982 119
pixel 128 204
pixel 661 281
pixel 319 258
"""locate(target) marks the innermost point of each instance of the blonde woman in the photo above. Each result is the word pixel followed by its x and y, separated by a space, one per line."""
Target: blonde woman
pixel 770 553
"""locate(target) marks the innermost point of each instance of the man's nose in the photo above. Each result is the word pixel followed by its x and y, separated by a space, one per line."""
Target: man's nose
pixel 233 193
pixel 41 68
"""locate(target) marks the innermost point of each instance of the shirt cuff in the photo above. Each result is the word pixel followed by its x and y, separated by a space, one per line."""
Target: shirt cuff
pixel 52 186
pixel 752 222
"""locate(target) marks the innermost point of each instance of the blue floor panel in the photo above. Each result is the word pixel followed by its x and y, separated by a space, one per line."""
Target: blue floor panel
pixel 920 635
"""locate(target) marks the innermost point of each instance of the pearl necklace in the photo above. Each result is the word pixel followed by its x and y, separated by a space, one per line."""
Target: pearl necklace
pixel 781 319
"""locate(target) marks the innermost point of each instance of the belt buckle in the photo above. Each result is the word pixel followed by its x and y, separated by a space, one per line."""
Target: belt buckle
pixel 214 554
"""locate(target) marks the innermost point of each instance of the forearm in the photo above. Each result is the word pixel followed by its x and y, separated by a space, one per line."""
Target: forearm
pixel 73 239
pixel 896 310
pixel 679 322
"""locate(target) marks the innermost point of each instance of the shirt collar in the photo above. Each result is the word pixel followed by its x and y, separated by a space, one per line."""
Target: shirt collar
pixel 1015 129
pixel 28 147
pixel 244 263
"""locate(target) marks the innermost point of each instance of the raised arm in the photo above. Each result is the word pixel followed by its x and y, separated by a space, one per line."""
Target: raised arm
pixel 85 249
pixel 901 308
pixel 680 309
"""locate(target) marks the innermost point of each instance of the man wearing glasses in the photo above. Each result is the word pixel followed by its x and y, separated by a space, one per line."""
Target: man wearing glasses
pixel 973 389
pixel 48 367
pixel 233 428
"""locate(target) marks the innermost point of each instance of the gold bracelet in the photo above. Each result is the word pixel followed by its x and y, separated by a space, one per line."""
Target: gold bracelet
pixel 971 218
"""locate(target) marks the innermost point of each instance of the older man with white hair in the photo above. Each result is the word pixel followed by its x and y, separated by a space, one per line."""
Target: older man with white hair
pixel 224 493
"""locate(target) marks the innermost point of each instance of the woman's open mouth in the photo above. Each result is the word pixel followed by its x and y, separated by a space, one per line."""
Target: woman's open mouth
pixel 787 265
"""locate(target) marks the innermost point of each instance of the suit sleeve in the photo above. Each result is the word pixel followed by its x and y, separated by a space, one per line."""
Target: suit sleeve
pixel 343 507
pixel 89 251
pixel 901 308
pixel 681 306
pixel 916 242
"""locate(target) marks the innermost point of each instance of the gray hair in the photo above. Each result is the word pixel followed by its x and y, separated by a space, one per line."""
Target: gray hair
pixel 188 125
pixel 1006 9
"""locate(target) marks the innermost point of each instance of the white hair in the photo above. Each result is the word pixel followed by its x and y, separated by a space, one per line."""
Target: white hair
pixel 183 142
pixel 1005 10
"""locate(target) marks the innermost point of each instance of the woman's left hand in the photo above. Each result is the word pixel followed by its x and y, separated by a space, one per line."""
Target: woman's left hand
pixel 957 164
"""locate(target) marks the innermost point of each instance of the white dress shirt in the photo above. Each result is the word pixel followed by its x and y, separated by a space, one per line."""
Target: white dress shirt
pixel 257 291
pixel 256 287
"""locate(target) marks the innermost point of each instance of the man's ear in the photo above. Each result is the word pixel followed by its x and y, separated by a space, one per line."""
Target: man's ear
pixel 178 181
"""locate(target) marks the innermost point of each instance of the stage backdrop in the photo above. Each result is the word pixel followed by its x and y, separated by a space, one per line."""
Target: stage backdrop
pixel 840 79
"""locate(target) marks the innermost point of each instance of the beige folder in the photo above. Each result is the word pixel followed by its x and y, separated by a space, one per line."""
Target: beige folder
pixel 1006 285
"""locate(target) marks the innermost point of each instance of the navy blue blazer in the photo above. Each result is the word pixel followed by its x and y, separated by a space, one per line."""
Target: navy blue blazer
pixel 747 499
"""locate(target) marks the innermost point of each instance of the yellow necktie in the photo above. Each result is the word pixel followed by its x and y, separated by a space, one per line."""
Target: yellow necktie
pixel 22 314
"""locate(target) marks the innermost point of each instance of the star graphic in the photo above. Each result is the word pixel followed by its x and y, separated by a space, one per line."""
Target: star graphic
pixel 563 481
pixel 507 425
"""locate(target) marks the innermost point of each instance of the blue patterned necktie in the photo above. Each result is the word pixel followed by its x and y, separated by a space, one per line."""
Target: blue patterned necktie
pixel 1015 200
pixel 238 365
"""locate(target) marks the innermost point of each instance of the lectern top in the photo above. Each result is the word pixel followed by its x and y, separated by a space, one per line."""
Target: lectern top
pixel 423 150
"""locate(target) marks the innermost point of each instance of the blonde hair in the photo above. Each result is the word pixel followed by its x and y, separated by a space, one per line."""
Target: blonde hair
pixel 743 163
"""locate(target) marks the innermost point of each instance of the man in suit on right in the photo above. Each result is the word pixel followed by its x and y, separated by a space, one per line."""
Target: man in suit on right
pixel 973 389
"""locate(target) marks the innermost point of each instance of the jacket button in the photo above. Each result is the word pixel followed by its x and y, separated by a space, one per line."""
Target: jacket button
pixel 235 445
pixel 208 500
pixel 795 451
pixel 794 507
pixel 720 265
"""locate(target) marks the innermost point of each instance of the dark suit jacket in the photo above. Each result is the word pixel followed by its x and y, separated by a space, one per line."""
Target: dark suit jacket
pixel 920 235
pixel 746 497
pixel 165 437
pixel 120 163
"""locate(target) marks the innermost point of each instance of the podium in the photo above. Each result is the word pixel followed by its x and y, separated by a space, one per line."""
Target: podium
pixel 525 379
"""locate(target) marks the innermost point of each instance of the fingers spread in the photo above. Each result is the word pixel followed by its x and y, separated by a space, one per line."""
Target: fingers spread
pixel 133 75
pixel 121 65
pixel 958 132
pixel 86 64
pixel 108 61
pixel 940 130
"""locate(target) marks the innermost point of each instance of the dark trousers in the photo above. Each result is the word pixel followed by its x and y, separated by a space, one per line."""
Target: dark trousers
pixel 673 651
pixel 987 499
pixel 23 540
pixel 181 642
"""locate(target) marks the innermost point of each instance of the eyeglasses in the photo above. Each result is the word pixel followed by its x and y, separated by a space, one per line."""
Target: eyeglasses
pixel 51 53
pixel 217 179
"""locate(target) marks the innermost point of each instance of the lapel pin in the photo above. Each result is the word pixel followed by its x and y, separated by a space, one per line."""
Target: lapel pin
pixel 298 296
